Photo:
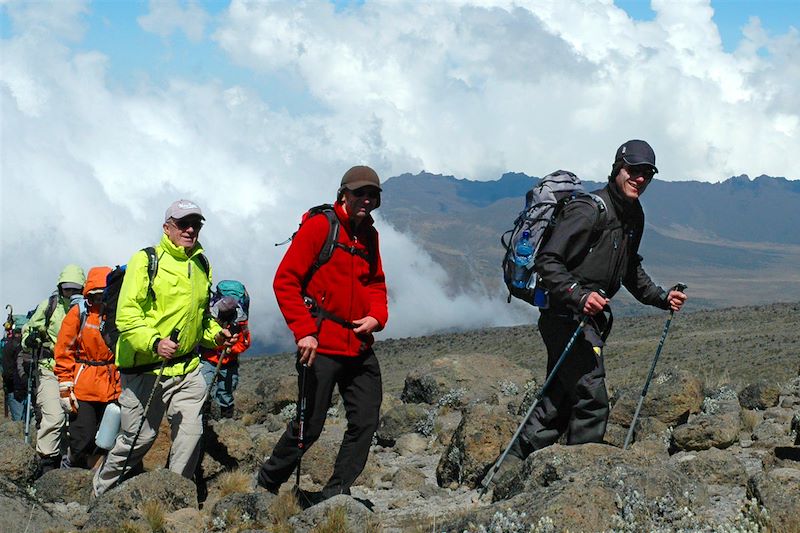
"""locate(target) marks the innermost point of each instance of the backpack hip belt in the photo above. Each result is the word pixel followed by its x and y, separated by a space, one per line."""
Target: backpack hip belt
pixel 94 363
pixel 141 369
pixel 321 314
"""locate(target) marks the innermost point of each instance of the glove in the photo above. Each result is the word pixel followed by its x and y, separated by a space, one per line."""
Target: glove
pixel 69 403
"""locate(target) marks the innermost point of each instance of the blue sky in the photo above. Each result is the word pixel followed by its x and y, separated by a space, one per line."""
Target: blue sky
pixel 113 109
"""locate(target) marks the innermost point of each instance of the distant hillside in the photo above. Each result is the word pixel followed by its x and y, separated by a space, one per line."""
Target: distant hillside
pixel 734 243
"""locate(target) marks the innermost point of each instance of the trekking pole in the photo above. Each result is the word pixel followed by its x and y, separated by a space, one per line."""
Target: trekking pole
pixel 173 338
pixel 679 287
pixel 29 399
pixel 301 421
pixel 488 478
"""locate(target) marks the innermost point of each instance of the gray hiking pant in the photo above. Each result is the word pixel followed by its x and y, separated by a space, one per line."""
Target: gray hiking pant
pixel 181 398
pixel 576 402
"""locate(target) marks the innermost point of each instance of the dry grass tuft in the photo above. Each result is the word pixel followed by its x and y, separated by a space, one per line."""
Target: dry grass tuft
pixel 248 419
pixel 336 522
pixel 234 482
pixel 283 507
pixel 154 514
pixel 750 419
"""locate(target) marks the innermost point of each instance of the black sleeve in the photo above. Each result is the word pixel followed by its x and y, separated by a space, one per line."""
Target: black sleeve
pixel 642 287
pixel 570 240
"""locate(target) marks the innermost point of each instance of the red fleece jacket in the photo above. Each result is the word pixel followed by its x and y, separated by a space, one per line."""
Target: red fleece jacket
pixel 344 286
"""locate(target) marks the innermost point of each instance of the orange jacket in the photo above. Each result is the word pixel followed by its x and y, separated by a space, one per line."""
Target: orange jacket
pixel 81 354
pixel 212 355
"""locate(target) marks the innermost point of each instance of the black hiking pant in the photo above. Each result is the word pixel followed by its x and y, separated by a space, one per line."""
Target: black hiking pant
pixel 82 429
pixel 359 383
pixel 576 402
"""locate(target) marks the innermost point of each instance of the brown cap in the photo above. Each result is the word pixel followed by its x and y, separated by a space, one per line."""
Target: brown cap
pixel 360 176
pixel 182 208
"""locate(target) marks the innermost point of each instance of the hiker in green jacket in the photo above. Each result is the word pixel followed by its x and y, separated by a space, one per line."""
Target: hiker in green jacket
pixel 149 315
pixel 40 334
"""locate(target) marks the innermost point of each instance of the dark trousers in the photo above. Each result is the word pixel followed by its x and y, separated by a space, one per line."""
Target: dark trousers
pixel 359 382
pixel 576 402
pixel 82 429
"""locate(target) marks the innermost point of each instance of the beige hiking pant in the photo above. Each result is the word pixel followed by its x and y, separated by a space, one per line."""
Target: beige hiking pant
pixel 48 435
pixel 181 398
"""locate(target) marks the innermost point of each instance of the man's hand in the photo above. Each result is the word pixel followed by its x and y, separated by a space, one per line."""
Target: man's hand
pixel 307 346
pixel 676 299
pixel 365 325
pixel 166 348
pixel 594 303
pixel 225 338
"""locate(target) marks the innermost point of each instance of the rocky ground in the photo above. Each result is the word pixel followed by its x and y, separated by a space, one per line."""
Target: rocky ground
pixel 708 455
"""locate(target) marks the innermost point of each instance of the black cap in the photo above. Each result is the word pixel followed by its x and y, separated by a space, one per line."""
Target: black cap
pixel 636 152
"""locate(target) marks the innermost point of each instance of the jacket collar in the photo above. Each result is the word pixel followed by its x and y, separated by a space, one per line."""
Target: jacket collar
pixel 179 252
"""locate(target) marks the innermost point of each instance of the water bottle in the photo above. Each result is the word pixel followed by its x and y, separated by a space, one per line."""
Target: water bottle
pixel 522 258
pixel 109 427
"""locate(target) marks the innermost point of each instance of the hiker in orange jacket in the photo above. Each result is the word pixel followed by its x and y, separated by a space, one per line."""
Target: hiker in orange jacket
pixel 226 379
pixel 88 380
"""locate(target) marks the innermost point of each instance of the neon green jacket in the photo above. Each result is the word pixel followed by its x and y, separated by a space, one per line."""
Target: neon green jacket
pixel 181 290
pixel 70 273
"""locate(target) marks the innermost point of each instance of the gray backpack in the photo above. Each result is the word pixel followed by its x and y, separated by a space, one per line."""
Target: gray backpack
pixel 543 203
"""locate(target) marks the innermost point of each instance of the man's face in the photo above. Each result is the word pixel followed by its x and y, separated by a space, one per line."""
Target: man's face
pixel 360 202
pixel 183 231
pixel 68 292
pixel 632 180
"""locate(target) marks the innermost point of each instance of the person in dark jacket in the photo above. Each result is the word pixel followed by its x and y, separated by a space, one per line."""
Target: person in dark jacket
pixel 593 248
pixel 332 316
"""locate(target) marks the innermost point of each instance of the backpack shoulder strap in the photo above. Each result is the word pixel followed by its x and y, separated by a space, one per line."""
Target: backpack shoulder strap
pixel 83 311
pixel 52 302
pixel 152 268
pixel 328 246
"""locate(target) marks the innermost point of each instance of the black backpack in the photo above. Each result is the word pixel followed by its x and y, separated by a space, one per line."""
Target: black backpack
pixel 108 324
pixel 543 203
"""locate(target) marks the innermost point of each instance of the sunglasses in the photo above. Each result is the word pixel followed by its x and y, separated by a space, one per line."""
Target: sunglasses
pixel 644 171
pixel 368 191
pixel 184 224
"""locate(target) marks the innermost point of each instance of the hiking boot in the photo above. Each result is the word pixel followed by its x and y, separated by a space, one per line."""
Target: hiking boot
pixel 268 487
pixel 226 412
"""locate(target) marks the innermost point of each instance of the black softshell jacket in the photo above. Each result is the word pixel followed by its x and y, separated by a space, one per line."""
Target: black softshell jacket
pixel 587 252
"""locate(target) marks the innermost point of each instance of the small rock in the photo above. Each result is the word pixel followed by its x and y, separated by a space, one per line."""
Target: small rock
pixel 411 444
pixel 408 478
pixel 65 485
pixel 340 513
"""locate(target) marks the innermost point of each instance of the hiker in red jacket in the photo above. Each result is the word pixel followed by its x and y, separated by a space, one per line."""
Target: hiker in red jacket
pixel 332 310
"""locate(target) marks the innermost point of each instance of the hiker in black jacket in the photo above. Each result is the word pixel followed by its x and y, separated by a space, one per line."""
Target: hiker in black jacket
pixel 594 247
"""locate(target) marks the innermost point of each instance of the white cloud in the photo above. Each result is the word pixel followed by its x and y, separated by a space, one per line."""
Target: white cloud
pixel 88 166
pixel 168 16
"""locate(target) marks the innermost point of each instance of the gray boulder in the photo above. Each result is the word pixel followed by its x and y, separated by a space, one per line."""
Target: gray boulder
pixel 240 509
pixel 65 485
pixel 480 438
pixel 124 502
pixel 760 395
pixel 779 492
pixel 18 460
pixel 671 398
pixel 19 512
pixel 716 427
pixel 589 487
pixel 712 466
pixel 404 418
pixel 462 379
pixel 340 513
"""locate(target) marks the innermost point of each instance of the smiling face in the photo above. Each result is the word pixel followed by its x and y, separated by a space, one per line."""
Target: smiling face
pixel 183 231
pixel 632 180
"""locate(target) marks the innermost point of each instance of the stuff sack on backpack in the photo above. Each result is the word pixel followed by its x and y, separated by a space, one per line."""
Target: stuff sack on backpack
pixel 235 289
pixel 532 228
